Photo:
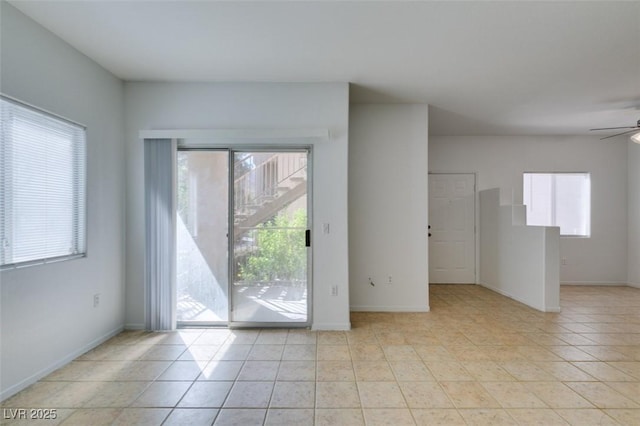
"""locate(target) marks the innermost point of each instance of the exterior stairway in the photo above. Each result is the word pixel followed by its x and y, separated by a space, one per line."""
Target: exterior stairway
pixel 267 186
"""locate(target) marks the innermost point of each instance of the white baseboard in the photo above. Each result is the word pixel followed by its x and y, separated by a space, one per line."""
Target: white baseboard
pixel 363 308
pixel 12 390
pixel 134 326
pixel 636 285
pixel 338 326
pixel 598 283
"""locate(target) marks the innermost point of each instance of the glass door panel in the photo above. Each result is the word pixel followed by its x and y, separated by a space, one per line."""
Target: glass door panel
pixel 201 237
pixel 270 253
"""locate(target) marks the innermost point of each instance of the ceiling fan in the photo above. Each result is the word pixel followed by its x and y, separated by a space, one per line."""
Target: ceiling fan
pixel 636 128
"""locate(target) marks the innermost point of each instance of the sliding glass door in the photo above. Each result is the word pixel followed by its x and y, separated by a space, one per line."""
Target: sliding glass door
pixel 201 237
pixel 270 238
pixel 243 245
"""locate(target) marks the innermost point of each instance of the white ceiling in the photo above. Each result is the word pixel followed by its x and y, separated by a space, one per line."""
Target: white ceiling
pixel 484 67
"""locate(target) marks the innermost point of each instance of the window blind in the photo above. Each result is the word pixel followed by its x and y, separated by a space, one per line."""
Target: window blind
pixel 160 239
pixel 42 178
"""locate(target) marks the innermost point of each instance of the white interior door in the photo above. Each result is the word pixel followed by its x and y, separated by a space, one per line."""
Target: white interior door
pixel 452 228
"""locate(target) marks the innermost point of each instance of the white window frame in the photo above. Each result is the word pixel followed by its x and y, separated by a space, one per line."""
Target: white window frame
pixel 552 201
pixel 76 219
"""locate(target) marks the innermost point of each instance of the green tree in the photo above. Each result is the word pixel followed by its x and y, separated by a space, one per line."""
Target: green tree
pixel 281 253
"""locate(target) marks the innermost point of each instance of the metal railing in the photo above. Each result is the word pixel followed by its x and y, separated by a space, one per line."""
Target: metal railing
pixel 266 181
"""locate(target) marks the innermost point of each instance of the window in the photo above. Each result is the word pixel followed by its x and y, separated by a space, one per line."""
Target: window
pixel 559 199
pixel 42 186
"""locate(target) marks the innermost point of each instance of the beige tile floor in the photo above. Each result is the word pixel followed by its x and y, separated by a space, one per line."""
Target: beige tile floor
pixel 476 358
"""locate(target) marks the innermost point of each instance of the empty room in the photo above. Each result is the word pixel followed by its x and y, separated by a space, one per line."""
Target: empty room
pixel 319 213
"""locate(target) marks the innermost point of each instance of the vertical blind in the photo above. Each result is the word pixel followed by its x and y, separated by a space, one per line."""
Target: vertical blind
pixel 160 241
pixel 42 180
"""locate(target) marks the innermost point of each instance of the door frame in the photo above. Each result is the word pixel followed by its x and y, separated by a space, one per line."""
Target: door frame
pixel 200 324
pixel 476 217
pixel 272 148
pixel 231 149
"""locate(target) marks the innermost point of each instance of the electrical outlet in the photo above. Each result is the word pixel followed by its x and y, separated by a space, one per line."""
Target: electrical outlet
pixel 371 283
pixel 334 290
pixel 96 300
pixel 563 261
pixel 390 281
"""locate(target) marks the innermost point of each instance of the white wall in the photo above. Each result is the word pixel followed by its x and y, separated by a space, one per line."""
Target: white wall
pixel 388 207
pixel 47 313
pixel 518 261
pixel 633 191
pixel 500 162
pixel 250 105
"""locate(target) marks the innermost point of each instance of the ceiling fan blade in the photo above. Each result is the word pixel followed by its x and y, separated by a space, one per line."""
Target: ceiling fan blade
pixel 614 128
pixel 635 129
